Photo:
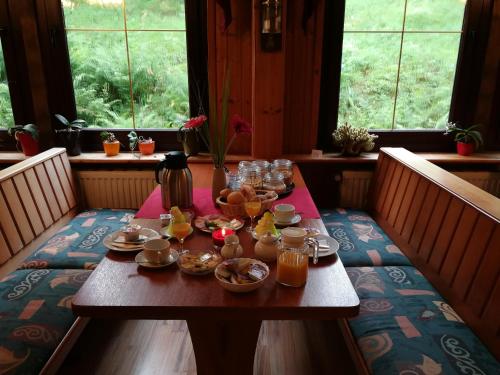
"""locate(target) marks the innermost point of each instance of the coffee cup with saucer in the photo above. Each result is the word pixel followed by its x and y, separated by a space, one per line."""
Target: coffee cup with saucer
pixel 285 214
pixel 156 251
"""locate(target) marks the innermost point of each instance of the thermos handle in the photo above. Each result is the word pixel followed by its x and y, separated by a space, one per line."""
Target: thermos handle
pixel 158 167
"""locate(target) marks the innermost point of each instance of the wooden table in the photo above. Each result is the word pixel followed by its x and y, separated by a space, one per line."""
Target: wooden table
pixel 224 326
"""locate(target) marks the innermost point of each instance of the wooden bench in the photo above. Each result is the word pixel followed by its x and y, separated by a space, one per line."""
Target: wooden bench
pixel 39 200
pixel 449 229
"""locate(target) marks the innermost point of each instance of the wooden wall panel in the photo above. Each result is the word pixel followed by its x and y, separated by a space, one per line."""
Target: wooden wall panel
pixel 39 197
pixel 451 232
pixel 5 253
pixel 278 92
pixel 406 202
pixel 19 216
pixel 48 192
pixel 474 251
pixel 29 206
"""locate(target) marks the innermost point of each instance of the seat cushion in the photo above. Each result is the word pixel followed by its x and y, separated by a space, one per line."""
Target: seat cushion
pixel 405 327
pixel 362 242
pixel 79 243
pixel 35 314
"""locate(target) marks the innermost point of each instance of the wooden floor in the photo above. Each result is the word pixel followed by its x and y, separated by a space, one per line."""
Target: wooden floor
pixel 164 347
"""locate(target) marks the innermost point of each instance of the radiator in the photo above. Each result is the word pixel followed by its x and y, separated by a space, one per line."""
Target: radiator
pixel 355 184
pixel 115 189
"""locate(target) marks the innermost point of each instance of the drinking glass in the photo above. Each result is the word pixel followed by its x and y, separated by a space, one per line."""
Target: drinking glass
pixel 252 208
pixel 181 230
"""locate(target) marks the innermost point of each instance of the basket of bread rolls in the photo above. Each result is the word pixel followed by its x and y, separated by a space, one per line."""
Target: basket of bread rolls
pixel 232 202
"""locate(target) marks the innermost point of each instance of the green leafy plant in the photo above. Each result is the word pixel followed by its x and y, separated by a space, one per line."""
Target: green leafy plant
pixel 108 137
pixel 467 135
pixel 30 129
pixel 353 140
pixel 75 125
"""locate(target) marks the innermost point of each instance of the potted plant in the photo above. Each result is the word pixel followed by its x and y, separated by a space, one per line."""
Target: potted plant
pixel 27 136
pixel 467 139
pixel 146 145
pixel 110 144
pixel 69 136
pixel 353 140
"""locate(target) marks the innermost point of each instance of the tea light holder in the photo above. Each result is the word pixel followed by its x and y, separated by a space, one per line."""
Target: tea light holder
pixel 219 235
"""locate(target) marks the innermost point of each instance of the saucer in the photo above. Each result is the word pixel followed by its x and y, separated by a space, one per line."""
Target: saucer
pixel 141 260
pixel 110 240
pixel 295 220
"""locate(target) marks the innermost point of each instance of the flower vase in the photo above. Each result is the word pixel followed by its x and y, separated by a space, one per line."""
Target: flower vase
pixel 218 182
pixel 189 140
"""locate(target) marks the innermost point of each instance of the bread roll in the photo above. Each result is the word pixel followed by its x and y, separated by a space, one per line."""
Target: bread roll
pixel 235 198
pixel 225 192
pixel 248 192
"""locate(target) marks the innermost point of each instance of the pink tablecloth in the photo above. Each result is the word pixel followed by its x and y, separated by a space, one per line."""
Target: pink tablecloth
pixel 202 197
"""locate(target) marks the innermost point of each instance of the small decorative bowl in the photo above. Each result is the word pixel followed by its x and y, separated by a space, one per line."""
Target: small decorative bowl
pixel 241 288
pixel 131 232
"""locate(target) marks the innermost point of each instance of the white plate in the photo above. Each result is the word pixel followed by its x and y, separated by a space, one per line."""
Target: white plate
pixel 165 232
pixel 333 246
pixel 295 220
pixel 200 221
pixel 141 260
pixel 108 240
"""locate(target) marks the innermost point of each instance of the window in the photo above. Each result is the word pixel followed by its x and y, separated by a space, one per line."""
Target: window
pixel 402 68
pixel 6 117
pixel 128 62
pixel 398 67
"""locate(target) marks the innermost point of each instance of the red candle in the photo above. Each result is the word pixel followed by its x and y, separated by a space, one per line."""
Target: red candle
pixel 219 235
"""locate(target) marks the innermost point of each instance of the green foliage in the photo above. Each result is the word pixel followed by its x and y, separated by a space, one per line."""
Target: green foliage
pixel 75 125
pixel 107 137
pixel 31 129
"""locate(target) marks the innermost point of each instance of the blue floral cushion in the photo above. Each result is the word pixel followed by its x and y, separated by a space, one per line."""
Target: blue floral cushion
pixel 79 244
pixel 35 314
pixel 405 327
pixel 362 242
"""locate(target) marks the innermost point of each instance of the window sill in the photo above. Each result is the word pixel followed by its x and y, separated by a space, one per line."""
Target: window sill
pixel 317 157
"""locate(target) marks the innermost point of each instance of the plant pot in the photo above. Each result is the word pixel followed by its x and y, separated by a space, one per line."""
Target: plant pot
pixel 147 148
pixel 189 140
pixel 218 182
pixel 28 144
pixel 71 141
pixel 111 148
pixel 465 149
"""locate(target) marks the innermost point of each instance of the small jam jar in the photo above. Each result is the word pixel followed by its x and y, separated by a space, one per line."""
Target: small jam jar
pixel 285 167
pixel 274 181
pixel 251 175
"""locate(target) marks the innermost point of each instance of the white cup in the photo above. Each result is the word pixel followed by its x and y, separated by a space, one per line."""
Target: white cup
pixel 293 236
pixel 157 251
pixel 284 213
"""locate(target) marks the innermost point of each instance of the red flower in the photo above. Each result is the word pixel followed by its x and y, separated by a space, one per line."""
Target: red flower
pixel 240 125
pixel 195 122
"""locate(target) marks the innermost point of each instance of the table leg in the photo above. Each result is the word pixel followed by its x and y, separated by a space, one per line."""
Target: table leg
pixel 224 346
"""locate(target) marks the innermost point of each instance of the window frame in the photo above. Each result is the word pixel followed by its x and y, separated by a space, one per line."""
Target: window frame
pixel 468 74
pixel 56 66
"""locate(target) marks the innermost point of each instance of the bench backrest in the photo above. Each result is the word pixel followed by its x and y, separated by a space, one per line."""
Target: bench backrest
pixel 449 229
pixel 34 194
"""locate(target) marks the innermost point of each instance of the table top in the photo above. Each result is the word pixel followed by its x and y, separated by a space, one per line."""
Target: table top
pixel 120 288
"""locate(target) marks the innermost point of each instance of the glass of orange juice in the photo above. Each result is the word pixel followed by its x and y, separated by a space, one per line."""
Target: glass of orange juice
pixel 252 208
pixel 293 263
pixel 181 230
